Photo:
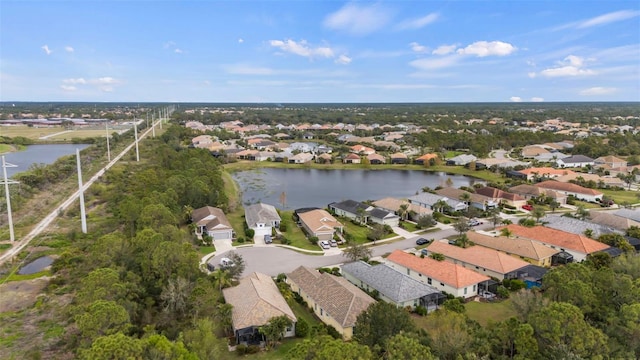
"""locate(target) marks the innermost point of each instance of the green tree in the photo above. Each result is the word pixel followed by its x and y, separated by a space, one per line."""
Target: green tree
pixel 581 212
pixel 102 318
pixel 403 347
pixel 561 323
pixel 222 278
pixel 376 232
pixel 380 322
pixel 274 329
pixel 425 221
pixel 461 226
pixel 101 284
pixel 538 213
pixel 326 347
pixel 554 205
pixel 512 339
pixel 454 305
pixel 403 211
pixel 175 296
pixel 356 252
pixel 113 347
pixel 449 333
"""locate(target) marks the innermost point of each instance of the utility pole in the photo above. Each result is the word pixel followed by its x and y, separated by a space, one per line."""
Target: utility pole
pixel 135 132
pixel 5 165
pixel 106 126
pixel 153 125
pixel 83 216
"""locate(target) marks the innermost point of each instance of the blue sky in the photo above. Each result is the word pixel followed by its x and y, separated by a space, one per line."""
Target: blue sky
pixel 320 51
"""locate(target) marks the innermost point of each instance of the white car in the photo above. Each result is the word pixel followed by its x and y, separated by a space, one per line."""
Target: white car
pixel 325 244
pixel 226 262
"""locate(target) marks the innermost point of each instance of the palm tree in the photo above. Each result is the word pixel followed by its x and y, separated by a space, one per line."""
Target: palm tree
pixel 506 232
pixel 440 206
pixel 538 213
pixel 222 278
pixel 403 211
pixel 466 198
pixel 582 213
pixel 554 205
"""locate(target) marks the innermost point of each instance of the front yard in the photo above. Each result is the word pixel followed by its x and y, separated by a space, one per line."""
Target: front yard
pixel 485 312
pixel 294 233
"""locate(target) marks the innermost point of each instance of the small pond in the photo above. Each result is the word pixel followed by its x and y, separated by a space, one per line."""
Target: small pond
pixel 318 187
pixel 36 265
pixel 36 154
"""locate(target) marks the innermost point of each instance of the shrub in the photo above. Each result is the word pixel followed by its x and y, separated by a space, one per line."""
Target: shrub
pixel 250 233
pixel 285 241
pixel 333 332
pixel 420 310
pixel 302 328
pixel 240 239
pixel 527 222
pixel 283 226
pixel 253 349
pixel 241 349
pixel 503 292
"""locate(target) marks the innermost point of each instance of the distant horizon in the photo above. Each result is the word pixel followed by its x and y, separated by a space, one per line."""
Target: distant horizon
pixel 303 52
pixel 8 102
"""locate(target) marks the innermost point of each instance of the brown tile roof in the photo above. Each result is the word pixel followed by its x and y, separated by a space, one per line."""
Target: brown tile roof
pixel 393 204
pixel 443 271
pixel 455 194
pixel 335 295
pixel 495 193
pixel 561 239
pixel 521 247
pixel 612 220
pixel 211 217
pixel 376 157
pixel 609 159
pixel 256 299
pixel 352 156
pixel 531 190
pixel 319 220
pixel 559 186
pixel 427 157
pixel 398 156
pixel 542 171
pixel 479 256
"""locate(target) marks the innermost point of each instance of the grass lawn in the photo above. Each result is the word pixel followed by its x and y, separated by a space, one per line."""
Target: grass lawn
pixel 204 250
pixel 622 196
pixel 358 232
pixel 451 153
pixel 410 227
pixel 4 148
pixel 28 132
pixel 484 313
pixel 294 233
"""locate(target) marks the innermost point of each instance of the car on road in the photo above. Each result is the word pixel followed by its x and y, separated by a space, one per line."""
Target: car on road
pixel 333 243
pixel 422 241
pixel 325 244
pixel 211 267
pixel 226 262
pixel 527 207
pixel 475 222
pixel 267 239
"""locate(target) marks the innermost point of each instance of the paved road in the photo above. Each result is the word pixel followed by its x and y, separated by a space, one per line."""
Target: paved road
pixel 44 223
pixel 273 260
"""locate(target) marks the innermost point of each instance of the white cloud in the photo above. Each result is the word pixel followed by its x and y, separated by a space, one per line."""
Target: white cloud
pixel 178 51
pixel 68 87
pixel 302 48
pixel 435 63
pixel 515 99
pixel 444 49
pixel 532 75
pixel 240 40
pixel 419 22
pixel 488 48
pixel 571 66
pixel 75 81
pixel 608 18
pixel 68 49
pixel 537 99
pixel 46 49
pixel 418 48
pixel 343 59
pixel 594 91
pixel 358 19
pixel 104 80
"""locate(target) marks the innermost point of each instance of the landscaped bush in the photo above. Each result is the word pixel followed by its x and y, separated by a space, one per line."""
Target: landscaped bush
pixel 250 233
pixel 302 328
pixel 253 349
pixel 333 332
pixel 283 226
pixel 240 240
pixel 285 241
pixel 241 349
pixel 420 310
pixel 514 284
pixel 527 222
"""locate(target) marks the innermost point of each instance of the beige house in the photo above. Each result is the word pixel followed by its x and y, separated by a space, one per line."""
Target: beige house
pixel 611 161
pixel 524 249
pixel 212 221
pixel 333 299
pixel 256 300
pixel 319 223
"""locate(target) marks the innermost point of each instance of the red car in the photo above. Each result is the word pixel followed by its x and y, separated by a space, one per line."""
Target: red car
pixel 527 207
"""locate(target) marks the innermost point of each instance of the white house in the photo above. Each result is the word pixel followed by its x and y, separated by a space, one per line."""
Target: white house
pixel 575 161
pixel 442 275
pixel 261 218
pixel 212 221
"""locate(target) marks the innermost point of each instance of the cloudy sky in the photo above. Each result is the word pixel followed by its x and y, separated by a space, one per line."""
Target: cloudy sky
pixel 320 51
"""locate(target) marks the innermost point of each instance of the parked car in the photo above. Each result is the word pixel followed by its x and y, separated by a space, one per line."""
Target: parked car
pixel 325 244
pixel 424 252
pixel 226 262
pixel 333 243
pixel 211 267
pixel 527 207
pixel 267 239
pixel 474 222
pixel 422 241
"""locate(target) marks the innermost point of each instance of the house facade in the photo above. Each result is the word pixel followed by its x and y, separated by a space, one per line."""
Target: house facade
pixel 575 161
pixel 319 223
pixel 442 275
pixel 261 218
pixel 334 300
pixel 524 249
pixel 212 221
pixel 577 191
pixel 430 201
pixel 256 300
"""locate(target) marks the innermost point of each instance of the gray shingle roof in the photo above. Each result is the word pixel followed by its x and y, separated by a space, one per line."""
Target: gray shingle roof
pixel 577 159
pixel 351 206
pixel 388 281
pixel 576 226
pixel 260 213
pixel 629 214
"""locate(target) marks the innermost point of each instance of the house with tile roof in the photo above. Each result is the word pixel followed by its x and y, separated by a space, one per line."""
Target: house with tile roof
pixel 334 300
pixel 501 197
pixel 351 159
pixel 610 161
pixel 530 192
pixel 319 223
pixel 442 275
pixel 213 222
pixel 362 150
pixel 524 249
pixel 611 220
pixel 476 200
pixel 426 158
pixel 577 226
pixel 544 173
pixel 480 259
pixel 261 218
pixel 579 246
pixel 393 204
pixel 429 201
pixel 376 159
pixel 256 300
pixel 392 286
pixel 577 191
pixel 398 158
pixel 301 158
pixel 461 160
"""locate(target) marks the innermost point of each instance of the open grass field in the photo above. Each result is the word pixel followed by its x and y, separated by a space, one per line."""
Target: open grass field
pixel 622 196
pixel 55 133
pixel 487 312
pixel 28 132
pixel 4 148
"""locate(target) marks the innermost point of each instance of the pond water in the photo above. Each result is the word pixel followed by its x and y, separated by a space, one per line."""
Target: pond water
pixel 317 187
pixel 36 265
pixel 35 154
